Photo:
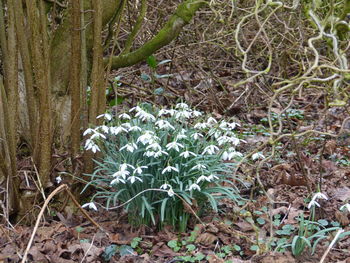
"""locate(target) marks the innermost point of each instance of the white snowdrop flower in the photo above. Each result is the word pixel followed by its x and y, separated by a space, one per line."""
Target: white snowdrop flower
pixel 210 149
pixel 196 113
pixel 165 186
pixel 97 135
pixel 199 167
pixel 346 206
pixel 124 116
pixel 154 146
pixel 133 179
pixel 124 166
pixel 187 154
pixel 223 125
pixel 117 180
pixel 149 153
pixel 206 178
pixel 182 106
pixel 211 120
pixel 137 109
pixel 58 179
pixel 174 145
pixel 135 128
pixel 91 145
pixel 226 156
pixel 162 112
pixel 232 125
pixel 202 178
pixel 121 174
pixel 160 153
pixel 145 116
pixel 257 155
pixel 138 170
pixel 229 155
pixel 169 168
pixel 107 116
pixel 181 136
pixel 183 114
pixel 196 135
pixel 212 177
pixel 104 128
pixel 235 141
pixel 223 139
pixel 88 131
pixel 130 147
pixel 200 125
pixel 316 196
pixel 126 125
pixel 90 205
pixel 162 124
pixel 146 137
pixel 117 130
pixel 171 192
pixel 194 187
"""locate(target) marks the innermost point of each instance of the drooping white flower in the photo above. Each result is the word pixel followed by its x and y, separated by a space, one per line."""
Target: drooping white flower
pixel 203 178
pixel 196 113
pixel 181 136
pixel 90 205
pixel 145 116
pixel 58 179
pixel 316 196
pixel 182 106
pixel 200 125
pixel 183 114
pixel 154 146
pixel 160 153
pixel 126 125
pixel 146 137
pixel 162 112
pixel 211 120
pixel 117 180
pixel 162 124
pixel 124 116
pixel 199 167
pixel 91 145
pixel 136 108
pixel 187 154
pixel 117 130
pixel 165 186
pixel 169 168
pixel 104 128
pixel 229 155
pixel 174 145
pixel 257 155
pixel 196 135
pixel 194 187
pixel 121 174
pixel 210 149
pixel 88 131
pixel 138 169
pixel 346 206
pixel 135 128
pixel 107 116
pixel 130 147
pixel 133 179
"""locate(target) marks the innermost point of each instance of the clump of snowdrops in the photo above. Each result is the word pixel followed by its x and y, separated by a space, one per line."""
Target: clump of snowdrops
pixel 159 162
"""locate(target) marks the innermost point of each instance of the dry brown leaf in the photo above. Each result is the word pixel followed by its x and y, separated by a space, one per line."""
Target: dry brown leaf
pixel 342 193
pixel 215 259
pixel 206 239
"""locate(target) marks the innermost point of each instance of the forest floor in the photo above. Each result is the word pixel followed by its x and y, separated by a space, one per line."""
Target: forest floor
pixel 251 232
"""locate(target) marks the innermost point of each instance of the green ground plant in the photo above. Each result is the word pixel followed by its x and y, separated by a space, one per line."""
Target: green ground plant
pixel 164 164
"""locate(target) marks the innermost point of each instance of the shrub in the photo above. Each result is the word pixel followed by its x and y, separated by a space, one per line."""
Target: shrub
pixel 159 161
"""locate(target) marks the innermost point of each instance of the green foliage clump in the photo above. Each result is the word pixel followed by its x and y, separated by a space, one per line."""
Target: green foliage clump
pixel 163 164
